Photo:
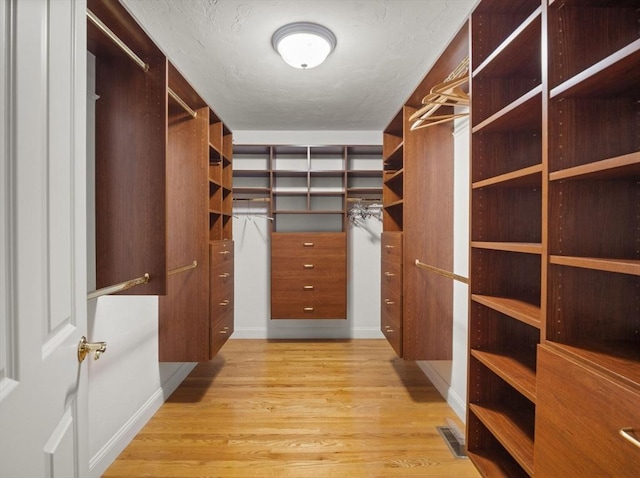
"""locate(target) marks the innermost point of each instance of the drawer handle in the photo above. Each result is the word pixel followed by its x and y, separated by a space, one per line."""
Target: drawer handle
pixel 389 302
pixel 224 303
pixel 390 331
pixel 389 274
pixel 627 434
pixel 308 244
pixel 223 331
pixel 307 287
pixel 224 276
pixel 224 252
pixel 308 309
pixel 308 266
pixel 389 247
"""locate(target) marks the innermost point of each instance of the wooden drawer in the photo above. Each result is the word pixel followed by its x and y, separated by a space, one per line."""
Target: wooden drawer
pixel 310 268
pixel 220 252
pixel 220 304
pixel 392 247
pixel 305 308
pixel 287 244
pixel 222 272
pixel 221 330
pixel 391 319
pixel 391 275
pixel 579 415
pixel 318 290
pixel 221 292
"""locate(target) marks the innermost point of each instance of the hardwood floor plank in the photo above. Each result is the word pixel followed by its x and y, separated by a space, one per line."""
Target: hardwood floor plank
pixel 346 408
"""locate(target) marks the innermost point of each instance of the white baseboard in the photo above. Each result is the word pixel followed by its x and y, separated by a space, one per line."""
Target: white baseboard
pixel 306 332
pixel 457 404
pixel 99 463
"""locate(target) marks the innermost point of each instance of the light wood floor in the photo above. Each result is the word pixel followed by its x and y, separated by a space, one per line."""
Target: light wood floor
pixel 298 409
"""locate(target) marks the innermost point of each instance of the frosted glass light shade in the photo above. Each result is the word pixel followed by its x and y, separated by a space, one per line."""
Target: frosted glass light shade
pixel 303 45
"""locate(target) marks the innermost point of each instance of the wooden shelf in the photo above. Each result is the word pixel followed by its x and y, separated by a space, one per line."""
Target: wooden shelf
pixel 522 247
pixel 396 155
pixel 395 177
pixel 496 464
pixel 290 172
pixel 523 114
pixel 620 266
pixel 612 76
pixel 625 167
pixel 509 426
pixel 394 204
pixel 364 190
pixel 523 311
pixel 249 190
pixel 511 369
pixel 526 177
pixel 514 55
pixel 308 211
pixel 248 173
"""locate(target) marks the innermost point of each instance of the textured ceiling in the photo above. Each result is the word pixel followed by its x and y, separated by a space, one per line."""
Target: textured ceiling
pixel 223 47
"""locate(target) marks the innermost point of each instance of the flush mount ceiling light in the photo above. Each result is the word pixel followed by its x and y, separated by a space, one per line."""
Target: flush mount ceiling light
pixel 303 45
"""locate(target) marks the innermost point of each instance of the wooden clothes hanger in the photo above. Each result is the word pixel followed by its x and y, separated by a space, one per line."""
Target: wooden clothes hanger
pixel 447 93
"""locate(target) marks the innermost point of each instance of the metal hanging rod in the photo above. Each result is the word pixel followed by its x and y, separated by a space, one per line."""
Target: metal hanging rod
pixel 112 289
pixel 181 102
pixel 112 36
pixel 442 272
pixel 177 270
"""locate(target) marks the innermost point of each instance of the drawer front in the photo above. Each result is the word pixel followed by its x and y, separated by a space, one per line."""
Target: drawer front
pixel 315 291
pixel 579 415
pixel 221 252
pixel 310 269
pixel 392 247
pixel 221 330
pixel 391 319
pixel 221 292
pixel 286 244
pixel 305 308
pixel 391 276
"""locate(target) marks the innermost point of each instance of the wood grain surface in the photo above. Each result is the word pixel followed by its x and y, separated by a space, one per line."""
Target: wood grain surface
pixel 299 409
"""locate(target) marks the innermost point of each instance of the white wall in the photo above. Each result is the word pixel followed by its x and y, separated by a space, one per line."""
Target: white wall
pixel 450 376
pixel 127 384
pixel 252 256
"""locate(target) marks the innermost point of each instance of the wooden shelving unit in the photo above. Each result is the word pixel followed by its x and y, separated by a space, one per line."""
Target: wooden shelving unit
pixel 220 179
pixel 555 263
pixel 417 304
pixel 130 168
pixel 507 240
pixel 305 192
pixel 163 185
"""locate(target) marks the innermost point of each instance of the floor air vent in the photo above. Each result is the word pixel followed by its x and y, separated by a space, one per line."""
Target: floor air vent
pixel 454 440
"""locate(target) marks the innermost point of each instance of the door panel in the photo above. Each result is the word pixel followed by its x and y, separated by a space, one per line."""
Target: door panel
pixel 43 390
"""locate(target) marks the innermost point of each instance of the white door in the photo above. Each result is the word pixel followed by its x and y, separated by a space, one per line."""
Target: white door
pixel 43 294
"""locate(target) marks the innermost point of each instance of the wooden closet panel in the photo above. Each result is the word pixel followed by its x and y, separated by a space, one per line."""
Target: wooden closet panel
pixel 580 414
pixel 130 144
pixel 428 233
pixel 183 312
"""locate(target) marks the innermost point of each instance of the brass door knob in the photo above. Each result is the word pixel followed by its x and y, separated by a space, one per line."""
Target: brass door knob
pixel 85 348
